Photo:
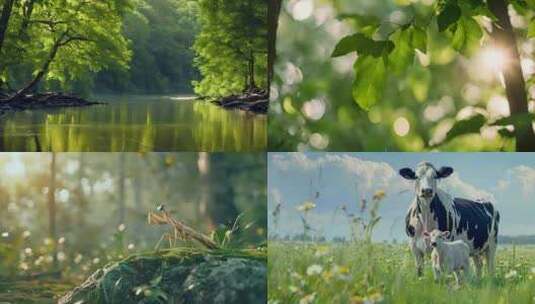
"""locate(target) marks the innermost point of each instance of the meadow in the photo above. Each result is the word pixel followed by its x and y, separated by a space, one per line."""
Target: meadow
pixel 366 272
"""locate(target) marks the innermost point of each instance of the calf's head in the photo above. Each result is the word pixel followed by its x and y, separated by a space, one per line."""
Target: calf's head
pixel 436 237
pixel 425 177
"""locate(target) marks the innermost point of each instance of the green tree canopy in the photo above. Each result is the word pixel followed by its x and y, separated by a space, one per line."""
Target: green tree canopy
pixel 61 41
pixel 231 47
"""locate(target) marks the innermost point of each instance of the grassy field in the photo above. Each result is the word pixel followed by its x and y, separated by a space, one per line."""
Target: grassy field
pixel 383 273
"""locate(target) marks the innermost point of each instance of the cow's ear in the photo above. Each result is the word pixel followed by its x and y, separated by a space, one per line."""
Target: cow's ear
pixel 407 173
pixel 444 172
pixel 446 234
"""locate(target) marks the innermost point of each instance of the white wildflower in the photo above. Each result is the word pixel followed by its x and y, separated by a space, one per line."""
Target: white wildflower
pixel 314 269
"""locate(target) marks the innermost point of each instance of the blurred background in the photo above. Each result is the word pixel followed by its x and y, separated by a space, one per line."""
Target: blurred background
pixel 314 109
pixel 70 213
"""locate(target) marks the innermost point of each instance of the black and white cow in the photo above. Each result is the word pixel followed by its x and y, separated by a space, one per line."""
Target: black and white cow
pixel 475 222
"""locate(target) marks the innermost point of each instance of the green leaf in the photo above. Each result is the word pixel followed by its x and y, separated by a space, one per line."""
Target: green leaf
pixel 448 16
pixel 517 119
pixel 362 45
pixel 369 80
pixel 419 39
pixel 403 54
pixel 531 28
pixel 466 126
pixel 419 81
pixel 506 133
pixel 361 20
pixel 466 35
pixel 356 42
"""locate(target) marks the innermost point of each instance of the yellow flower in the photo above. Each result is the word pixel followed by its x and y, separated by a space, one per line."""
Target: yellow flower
pixel 379 195
pixel 343 269
pixel 306 206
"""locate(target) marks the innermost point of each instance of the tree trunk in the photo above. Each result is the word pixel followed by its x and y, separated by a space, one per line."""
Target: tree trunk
pixel 121 186
pixel 252 82
pixel 4 20
pixel 203 167
pixel 52 211
pixel 82 202
pixel 42 72
pixel 515 87
pixel 27 14
pixel 274 8
pixel 221 208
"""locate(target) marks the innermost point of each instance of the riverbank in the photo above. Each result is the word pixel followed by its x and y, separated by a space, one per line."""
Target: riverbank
pixel 47 100
pixel 256 100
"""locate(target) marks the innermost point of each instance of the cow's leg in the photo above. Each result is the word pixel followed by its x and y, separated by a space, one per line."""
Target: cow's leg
pixel 418 257
pixel 490 255
pixel 478 263
pixel 458 278
pixel 467 271
pixel 436 273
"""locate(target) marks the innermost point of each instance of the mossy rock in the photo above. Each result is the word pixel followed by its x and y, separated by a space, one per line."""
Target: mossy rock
pixel 177 276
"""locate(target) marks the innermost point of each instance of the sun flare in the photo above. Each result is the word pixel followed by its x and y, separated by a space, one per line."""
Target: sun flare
pixel 494 59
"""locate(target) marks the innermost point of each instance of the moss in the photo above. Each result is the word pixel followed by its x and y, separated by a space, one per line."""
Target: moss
pixel 184 275
pixel 32 292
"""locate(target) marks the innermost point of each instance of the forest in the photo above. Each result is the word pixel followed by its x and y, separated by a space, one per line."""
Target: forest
pixel 64 216
pixel 149 46
pixel 395 75
pixel 117 62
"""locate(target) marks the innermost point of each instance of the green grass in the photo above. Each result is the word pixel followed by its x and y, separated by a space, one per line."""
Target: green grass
pixel 361 273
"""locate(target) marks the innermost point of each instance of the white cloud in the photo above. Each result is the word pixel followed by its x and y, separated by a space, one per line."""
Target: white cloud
pixel 526 176
pixel 459 188
pixel 502 185
pixel 275 195
pixel 369 176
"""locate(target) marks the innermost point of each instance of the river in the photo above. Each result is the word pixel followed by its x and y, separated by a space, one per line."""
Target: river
pixel 135 123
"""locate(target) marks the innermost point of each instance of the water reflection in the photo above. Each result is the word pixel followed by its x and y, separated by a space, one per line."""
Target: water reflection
pixel 135 123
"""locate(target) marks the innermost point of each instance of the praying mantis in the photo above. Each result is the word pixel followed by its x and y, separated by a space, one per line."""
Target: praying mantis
pixel 178 231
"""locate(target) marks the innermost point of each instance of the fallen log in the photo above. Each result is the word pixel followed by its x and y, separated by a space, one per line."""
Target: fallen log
pixel 41 101
pixel 253 100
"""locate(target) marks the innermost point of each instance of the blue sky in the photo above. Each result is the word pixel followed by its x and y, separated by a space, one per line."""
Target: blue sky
pixel 507 179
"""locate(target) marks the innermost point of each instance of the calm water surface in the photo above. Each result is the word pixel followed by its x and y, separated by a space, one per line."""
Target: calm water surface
pixel 135 123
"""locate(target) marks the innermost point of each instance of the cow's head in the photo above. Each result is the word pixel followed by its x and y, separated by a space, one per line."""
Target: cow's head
pixel 425 177
pixel 436 237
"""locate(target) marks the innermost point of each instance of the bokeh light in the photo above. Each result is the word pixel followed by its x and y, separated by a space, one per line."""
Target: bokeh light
pixel 302 9
pixel 401 126
pixel 494 59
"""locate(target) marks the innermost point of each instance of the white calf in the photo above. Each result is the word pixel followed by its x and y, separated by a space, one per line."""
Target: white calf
pixel 448 257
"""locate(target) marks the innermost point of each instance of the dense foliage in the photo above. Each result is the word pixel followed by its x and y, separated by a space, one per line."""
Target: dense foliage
pixel 60 41
pixel 407 75
pixel 161 35
pixel 217 47
pixel 232 46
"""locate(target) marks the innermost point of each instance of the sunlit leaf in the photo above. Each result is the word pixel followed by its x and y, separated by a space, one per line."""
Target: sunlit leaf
pixel 419 39
pixel 466 35
pixel 531 29
pixel 369 81
pixel 403 54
